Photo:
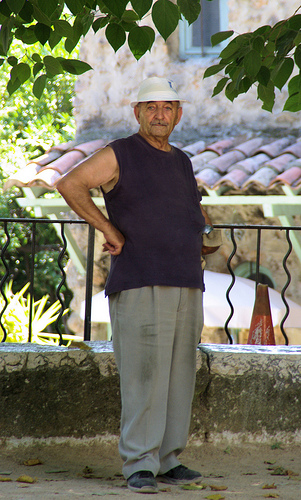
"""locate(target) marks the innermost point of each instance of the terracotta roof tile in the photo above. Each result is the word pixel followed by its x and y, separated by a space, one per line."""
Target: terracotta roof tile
pixel 200 161
pixel 221 147
pixel 250 165
pixel 261 179
pixel 294 149
pixel 207 178
pixel 274 148
pixel 248 148
pixel 279 163
pixel 237 165
pixel 234 179
pixel 288 177
pixel 195 148
pixel 223 162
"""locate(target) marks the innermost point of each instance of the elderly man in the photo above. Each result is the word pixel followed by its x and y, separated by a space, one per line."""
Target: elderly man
pixel 155 284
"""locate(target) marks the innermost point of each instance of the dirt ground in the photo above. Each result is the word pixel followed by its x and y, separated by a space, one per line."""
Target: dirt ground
pixel 243 472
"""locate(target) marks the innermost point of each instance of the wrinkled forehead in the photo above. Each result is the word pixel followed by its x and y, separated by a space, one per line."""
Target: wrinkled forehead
pixel 159 103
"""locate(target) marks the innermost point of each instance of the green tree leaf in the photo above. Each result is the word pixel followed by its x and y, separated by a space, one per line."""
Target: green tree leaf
pixel 252 63
pixel 15 5
pixel 267 95
pixel 13 85
pixel 37 68
pixel 26 35
pixel 228 52
pixel 39 85
pixel 54 39
pixel 139 41
pixel 42 32
pixel 5 35
pixel 63 28
pixel 74 66
pixel 245 85
pixel 117 7
pixel 220 37
pixel 213 70
pixel 231 91
pixel 294 85
pixel 282 73
pixel 47 6
pixel 53 66
pixel 190 9
pixel 75 6
pixel 220 86
pixel 141 6
pixel 297 56
pixel 130 16
pixel 115 35
pixel 264 75
pixel 293 103
pixel 166 17
pixel 101 22
pixel 26 12
pixel 294 22
pixel 21 72
pixel 12 60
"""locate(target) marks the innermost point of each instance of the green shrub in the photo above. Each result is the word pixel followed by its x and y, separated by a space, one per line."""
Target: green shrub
pixel 16 315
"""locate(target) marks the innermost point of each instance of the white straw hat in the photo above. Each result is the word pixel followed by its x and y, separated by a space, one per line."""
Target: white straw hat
pixel 157 89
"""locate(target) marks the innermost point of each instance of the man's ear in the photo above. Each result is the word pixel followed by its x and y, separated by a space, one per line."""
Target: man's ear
pixel 180 112
pixel 137 113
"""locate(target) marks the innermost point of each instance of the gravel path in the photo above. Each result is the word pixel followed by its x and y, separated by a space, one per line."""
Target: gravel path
pixel 66 471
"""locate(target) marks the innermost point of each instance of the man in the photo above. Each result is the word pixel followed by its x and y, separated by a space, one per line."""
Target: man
pixel 155 284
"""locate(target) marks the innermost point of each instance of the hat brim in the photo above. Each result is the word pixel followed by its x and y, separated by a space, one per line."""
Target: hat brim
pixel 181 101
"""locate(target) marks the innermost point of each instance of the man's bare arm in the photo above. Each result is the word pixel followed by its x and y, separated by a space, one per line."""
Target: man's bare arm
pixel 100 169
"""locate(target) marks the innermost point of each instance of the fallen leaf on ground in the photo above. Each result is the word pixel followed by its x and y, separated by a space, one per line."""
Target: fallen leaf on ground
pixel 5 472
pixel 269 487
pixel 213 475
pixel 79 344
pixel 215 497
pixel 165 490
pixel 269 462
pixel 271 495
pixel 32 461
pixel 102 494
pixel 5 479
pixel 276 446
pixel 292 473
pixel 56 471
pixel 26 479
pixel 277 471
pixel 281 471
pixel 193 486
pixel 218 488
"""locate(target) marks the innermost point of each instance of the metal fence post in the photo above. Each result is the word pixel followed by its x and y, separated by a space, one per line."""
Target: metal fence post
pixel 89 283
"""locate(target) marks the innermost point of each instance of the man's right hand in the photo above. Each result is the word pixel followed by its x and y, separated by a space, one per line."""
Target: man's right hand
pixel 114 240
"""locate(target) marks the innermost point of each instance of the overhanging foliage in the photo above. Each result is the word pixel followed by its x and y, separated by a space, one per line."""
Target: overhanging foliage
pixel 269 57
pixel 41 22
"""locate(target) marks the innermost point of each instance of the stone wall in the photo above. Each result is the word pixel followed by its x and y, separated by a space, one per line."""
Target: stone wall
pixel 242 393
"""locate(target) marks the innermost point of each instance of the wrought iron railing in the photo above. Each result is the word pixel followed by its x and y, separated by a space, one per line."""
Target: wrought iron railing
pixel 230 228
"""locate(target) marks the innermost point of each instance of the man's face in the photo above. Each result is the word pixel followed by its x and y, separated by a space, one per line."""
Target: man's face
pixel 157 119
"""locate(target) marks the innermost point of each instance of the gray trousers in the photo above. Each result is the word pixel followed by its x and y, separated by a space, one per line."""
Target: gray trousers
pixel 155 335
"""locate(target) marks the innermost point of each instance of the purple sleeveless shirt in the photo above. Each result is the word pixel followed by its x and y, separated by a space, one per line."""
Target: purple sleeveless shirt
pixel 155 204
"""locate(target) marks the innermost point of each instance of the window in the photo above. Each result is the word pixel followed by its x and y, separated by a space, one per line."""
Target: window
pixel 195 40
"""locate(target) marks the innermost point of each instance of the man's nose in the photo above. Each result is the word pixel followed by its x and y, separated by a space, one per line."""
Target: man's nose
pixel 159 113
